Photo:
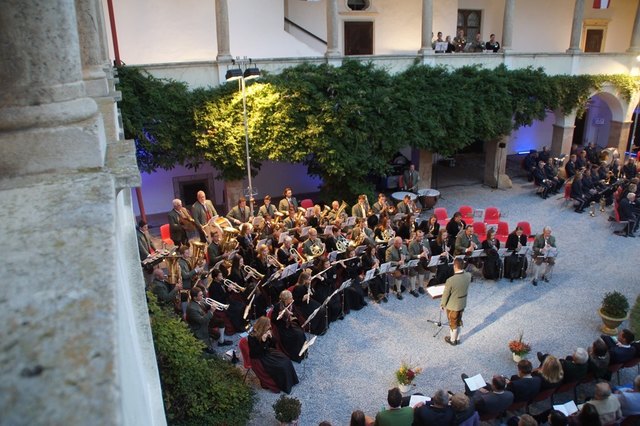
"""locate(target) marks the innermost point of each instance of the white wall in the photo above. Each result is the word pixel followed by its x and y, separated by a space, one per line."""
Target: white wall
pixel 543 25
pixel 598 112
pixel 535 136
pixel 157 188
pixel 621 14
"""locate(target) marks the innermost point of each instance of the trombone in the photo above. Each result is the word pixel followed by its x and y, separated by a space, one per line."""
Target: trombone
pixel 251 271
pixel 236 288
pixel 297 256
pixel 215 304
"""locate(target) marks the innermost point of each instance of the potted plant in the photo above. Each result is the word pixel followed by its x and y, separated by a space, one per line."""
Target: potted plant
pixel 613 311
pixel 287 410
pixel 405 375
pixel 519 348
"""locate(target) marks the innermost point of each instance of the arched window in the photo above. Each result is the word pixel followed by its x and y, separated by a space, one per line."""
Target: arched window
pixel 358 4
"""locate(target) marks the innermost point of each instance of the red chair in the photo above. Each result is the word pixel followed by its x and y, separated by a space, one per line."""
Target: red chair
pixel 502 233
pixel 254 364
pixel 526 229
pixel 467 213
pixel 480 229
pixel 166 235
pixel 491 215
pixel 401 182
pixel 441 214
pixel 306 203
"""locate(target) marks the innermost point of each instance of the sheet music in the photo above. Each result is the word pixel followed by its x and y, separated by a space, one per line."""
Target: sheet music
pixel 360 250
pixel 307 345
pixel 524 250
pixel 344 285
pixel 398 216
pixel 411 264
pixel 434 261
pixel 309 212
pixel 435 291
pixel 351 221
pixel 504 252
pixel 289 270
pixel 477 253
pixel 370 274
pixel 552 252
pixel 385 267
pixel 416 399
pixel 441 46
pixel 328 230
pixel 305 231
pixel 263 241
pixel 567 409
pixel 332 256
pixel 476 382
pixel 283 235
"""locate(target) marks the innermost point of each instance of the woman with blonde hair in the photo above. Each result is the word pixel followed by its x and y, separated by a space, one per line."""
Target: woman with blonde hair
pixel 550 372
pixel 275 363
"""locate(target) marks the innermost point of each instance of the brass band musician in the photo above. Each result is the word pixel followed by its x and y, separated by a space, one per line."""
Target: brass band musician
pixel 397 253
pixel 201 321
pixel 241 213
pixel 466 242
pixel 290 334
pixel 180 221
pixel 361 209
pixel 267 208
pixel 288 201
pixel 419 249
pixel 203 211
pixel 544 248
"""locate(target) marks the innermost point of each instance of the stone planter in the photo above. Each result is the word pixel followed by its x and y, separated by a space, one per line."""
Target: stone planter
pixel 516 357
pixel 610 325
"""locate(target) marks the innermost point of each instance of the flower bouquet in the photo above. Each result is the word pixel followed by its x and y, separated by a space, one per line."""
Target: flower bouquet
pixel 519 348
pixel 405 375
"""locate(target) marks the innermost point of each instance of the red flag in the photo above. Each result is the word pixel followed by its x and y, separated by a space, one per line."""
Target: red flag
pixel 601 4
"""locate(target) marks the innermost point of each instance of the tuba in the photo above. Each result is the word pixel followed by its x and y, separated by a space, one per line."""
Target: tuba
pixel 197 253
pixel 343 206
pixel 341 244
pixel 173 269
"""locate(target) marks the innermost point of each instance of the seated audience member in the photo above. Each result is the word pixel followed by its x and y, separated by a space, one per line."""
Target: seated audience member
pixel 524 386
pixel 358 418
pixel 557 418
pixel 630 399
pixel 395 415
pixel 620 351
pixel 523 420
pixel 551 172
pixel 577 193
pixel 277 365
pixel 492 398
pixel 464 412
pixel 574 366
pixel 550 373
pixel 582 161
pixel 570 168
pixel 606 404
pixel 434 412
pixel 587 416
pixel 599 359
pixel 540 179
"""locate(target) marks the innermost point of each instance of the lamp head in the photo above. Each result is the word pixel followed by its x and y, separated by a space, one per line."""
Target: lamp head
pixel 233 74
pixel 251 73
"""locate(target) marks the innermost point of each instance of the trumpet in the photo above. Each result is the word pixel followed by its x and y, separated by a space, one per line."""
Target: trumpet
pixel 215 304
pixel 274 261
pixel 236 288
pixel 251 271
pixel 297 256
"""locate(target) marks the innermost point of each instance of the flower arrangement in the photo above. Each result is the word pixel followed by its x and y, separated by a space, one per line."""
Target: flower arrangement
pixel 406 373
pixel 519 347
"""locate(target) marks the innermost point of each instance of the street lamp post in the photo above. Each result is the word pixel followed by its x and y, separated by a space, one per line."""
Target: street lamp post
pixel 250 72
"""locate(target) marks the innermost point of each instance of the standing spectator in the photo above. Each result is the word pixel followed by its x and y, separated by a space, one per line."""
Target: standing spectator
pixel 492 44
pixel 460 41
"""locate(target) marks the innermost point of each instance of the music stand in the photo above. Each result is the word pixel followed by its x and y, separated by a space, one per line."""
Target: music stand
pixel 305 348
pixel 435 292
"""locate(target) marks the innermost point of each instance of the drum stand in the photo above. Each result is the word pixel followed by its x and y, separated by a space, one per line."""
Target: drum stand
pixel 438 323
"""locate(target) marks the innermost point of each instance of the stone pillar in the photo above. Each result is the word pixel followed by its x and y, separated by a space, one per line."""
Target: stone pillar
pixel 233 189
pixel 634 47
pixel 561 140
pixel 427 27
pixel 425 168
pixel 619 136
pixel 88 13
pixel 333 51
pixel 222 31
pixel 576 28
pixel 507 25
pixel 46 120
pixel 495 164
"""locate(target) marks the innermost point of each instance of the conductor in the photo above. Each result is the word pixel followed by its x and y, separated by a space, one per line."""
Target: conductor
pixel 454 299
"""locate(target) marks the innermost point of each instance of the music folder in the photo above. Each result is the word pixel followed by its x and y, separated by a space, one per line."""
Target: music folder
pixel 477 253
pixel 504 252
pixel 434 261
pixel 351 221
pixel 435 291
pixel 328 230
pixel 360 250
pixel 289 270
pixel 283 235
pixel 333 256
pixel 305 231
pixel 416 399
pixel 385 267
pixel 476 382
pixel 369 274
pixel 411 264
pixel 524 250
pixel 553 252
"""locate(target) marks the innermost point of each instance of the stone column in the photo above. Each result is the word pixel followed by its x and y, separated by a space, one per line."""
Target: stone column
pixel 222 31
pixel 495 164
pixel 427 27
pixel 634 47
pixel 333 51
pixel 233 191
pixel 507 25
pixel 46 120
pixel 88 14
pixel 562 136
pixel 619 136
pixel 426 168
pixel 576 28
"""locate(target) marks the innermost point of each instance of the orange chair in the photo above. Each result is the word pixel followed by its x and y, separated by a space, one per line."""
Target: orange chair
pixel 480 230
pixel 491 215
pixel 467 213
pixel 166 235
pixel 441 215
pixel 502 233
pixel 254 364
pixel 306 203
